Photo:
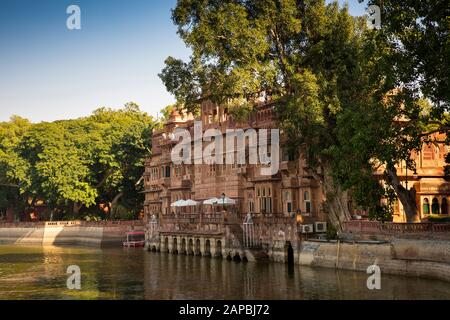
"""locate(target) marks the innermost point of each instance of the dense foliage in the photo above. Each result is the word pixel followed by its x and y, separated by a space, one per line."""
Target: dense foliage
pixel 342 90
pixel 88 167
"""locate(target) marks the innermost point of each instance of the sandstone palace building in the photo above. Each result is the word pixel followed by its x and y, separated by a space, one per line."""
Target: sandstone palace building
pixel 279 197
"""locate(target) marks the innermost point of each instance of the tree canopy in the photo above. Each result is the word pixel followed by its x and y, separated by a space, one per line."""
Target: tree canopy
pixel 339 87
pixel 75 165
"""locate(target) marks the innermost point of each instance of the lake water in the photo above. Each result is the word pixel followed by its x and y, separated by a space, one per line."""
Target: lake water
pixel 117 273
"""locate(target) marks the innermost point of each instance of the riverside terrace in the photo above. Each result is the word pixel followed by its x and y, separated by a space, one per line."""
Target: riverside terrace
pixel 291 190
pixel 418 250
pixel 227 234
pixel 285 207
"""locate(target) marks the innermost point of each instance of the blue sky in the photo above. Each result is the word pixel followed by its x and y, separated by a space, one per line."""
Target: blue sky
pixel 48 72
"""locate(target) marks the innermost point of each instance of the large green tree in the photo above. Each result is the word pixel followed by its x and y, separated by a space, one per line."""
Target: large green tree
pixel 13 179
pixel 417 34
pixel 73 165
pixel 341 98
pixel 119 164
pixel 57 170
pixel 308 56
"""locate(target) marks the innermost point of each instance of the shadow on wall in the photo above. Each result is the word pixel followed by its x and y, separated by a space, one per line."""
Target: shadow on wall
pixel 65 233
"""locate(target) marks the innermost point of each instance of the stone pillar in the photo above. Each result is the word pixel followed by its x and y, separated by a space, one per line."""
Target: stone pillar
pixel 202 246
pixel 213 247
pixel 161 243
pixel 182 249
pixel 190 246
pixel 224 239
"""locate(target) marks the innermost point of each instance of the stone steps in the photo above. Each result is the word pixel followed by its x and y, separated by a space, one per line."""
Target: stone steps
pixel 257 253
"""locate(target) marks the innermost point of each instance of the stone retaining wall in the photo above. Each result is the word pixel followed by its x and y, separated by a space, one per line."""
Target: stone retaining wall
pixel 67 233
pixel 373 229
pixel 419 258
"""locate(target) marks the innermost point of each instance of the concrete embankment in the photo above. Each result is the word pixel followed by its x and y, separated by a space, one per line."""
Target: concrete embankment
pixel 418 258
pixel 105 233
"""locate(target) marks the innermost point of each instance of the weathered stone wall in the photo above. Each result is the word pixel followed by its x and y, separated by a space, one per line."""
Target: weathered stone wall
pixel 430 259
pixel 22 235
pixel 76 235
pixel 425 250
pixel 70 234
pixel 419 258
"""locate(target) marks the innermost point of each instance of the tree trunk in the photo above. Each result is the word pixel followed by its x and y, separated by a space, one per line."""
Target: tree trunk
pixel 10 214
pixel 336 203
pixel 281 55
pixel 28 210
pixel 76 208
pixel 406 197
pixel 113 204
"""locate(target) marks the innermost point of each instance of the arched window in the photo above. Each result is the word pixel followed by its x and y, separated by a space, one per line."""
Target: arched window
pixel 426 206
pixel 435 206
pixel 444 206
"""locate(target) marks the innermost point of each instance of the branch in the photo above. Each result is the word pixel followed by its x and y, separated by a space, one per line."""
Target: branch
pixel 105 177
pixel 281 54
pixel 9 185
pixel 315 174
pixel 139 181
pixel 392 172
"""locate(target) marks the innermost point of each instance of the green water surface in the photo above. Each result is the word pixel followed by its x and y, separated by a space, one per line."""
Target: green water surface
pixel 118 273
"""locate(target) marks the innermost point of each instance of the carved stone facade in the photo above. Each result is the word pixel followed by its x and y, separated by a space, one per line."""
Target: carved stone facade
pixel 290 191
pixel 432 189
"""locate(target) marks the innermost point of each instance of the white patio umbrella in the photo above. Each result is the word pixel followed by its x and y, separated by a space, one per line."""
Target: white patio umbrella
pixel 178 203
pixel 225 201
pixel 190 202
pixel 211 201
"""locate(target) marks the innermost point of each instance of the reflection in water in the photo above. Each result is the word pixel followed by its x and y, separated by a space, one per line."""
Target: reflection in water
pixel 40 273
